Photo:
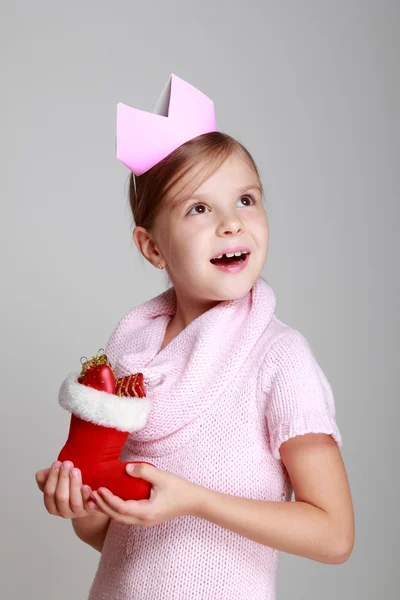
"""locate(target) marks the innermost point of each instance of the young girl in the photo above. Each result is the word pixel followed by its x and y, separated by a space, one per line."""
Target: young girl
pixel 244 415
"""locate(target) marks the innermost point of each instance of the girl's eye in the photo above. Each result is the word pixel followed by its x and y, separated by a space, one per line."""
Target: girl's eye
pixel 248 197
pixel 194 207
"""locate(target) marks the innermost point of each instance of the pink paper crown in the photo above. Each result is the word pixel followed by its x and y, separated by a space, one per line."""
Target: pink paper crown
pixel 144 138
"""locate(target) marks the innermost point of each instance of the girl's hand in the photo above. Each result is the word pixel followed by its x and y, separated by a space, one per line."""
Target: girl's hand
pixel 171 496
pixel 63 494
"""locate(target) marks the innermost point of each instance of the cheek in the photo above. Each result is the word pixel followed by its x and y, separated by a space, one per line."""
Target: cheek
pixel 259 227
pixel 184 250
pixel 264 232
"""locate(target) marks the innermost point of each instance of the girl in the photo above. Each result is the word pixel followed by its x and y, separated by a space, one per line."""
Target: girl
pixel 244 415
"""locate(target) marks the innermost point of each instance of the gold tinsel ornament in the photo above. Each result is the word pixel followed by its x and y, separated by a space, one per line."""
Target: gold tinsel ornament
pixel 94 362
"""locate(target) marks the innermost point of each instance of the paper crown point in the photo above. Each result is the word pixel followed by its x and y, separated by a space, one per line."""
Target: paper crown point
pixel 144 138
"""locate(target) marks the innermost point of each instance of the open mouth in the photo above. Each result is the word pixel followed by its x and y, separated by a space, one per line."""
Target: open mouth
pixel 230 259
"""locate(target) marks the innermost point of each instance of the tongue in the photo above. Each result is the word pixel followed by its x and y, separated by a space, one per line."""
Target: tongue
pixel 224 260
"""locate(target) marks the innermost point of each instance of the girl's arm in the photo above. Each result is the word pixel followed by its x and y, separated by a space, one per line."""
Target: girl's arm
pixel 318 525
pixel 92 529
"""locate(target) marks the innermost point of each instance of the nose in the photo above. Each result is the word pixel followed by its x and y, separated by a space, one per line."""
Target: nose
pixel 230 225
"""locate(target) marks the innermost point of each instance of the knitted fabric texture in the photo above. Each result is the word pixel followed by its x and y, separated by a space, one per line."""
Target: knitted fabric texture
pixel 237 382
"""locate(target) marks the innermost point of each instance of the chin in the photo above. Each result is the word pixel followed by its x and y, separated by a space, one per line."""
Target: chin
pixel 236 287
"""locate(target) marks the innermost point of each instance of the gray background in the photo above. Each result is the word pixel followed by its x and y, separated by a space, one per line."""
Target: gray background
pixel 312 89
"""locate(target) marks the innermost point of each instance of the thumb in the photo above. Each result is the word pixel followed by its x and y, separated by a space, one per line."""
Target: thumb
pixel 145 471
pixel 41 478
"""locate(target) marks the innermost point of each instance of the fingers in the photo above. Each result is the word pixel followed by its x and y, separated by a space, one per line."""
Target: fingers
pixel 62 495
pixel 79 495
pixel 105 506
pixel 75 491
pixel 62 491
pixel 50 488
pixel 114 502
pixel 88 503
pixel 118 509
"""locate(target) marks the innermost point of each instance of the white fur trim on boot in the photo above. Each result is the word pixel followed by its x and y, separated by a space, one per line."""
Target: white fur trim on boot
pixel 123 413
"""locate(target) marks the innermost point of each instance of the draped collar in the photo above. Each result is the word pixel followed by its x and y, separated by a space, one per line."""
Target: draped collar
pixel 197 365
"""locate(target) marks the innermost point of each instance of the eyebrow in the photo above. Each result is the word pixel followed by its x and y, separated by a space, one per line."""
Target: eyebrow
pixel 183 201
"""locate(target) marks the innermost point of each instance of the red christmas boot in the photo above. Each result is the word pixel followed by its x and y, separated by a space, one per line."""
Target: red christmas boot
pixel 104 411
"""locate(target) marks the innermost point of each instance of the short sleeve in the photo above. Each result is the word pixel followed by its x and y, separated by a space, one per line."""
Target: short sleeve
pixel 299 397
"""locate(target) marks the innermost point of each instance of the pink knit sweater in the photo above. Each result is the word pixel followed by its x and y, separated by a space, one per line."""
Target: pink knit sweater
pixel 237 383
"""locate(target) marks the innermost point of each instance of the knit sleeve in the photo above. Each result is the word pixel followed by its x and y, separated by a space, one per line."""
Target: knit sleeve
pixel 299 397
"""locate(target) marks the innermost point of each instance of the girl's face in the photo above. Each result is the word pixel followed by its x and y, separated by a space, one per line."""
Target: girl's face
pixel 224 213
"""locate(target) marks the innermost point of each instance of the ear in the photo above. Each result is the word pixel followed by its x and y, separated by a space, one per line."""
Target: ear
pixel 146 245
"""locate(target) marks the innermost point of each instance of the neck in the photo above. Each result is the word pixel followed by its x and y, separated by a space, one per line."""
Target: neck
pixel 188 309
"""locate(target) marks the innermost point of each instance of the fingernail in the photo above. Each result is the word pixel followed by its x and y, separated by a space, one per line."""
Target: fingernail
pixel 75 473
pixel 130 468
pixel 67 464
pixel 57 465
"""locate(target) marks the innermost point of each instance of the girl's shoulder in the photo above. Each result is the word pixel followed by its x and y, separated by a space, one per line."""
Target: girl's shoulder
pixel 288 356
pixel 278 335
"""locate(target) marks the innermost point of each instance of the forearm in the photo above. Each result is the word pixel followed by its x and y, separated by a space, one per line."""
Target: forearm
pixel 294 527
pixel 92 529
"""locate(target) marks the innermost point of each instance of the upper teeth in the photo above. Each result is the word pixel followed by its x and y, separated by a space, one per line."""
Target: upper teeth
pixel 230 254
